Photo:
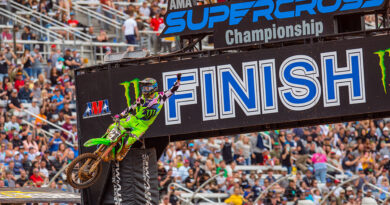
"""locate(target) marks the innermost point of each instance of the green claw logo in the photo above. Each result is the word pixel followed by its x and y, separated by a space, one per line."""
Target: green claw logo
pixel 381 54
pixel 150 113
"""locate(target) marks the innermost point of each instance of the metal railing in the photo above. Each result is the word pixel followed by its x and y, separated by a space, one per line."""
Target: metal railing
pixel 270 186
pixel 91 14
pixel 189 191
pixel 54 125
pixel 83 47
pixel 32 125
pixel 36 27
pixel 50 20
pixel 97 5
pixel 377 188
pixel 120 14
pixel 44 131
pixel 340 185
pixel 204 184
pixel 126 3
pixel 96 14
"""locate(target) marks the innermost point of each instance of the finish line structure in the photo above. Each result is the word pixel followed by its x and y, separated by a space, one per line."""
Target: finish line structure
pixel 336 76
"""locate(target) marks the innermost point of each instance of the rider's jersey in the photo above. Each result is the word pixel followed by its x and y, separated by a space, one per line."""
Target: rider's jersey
pixel 147 109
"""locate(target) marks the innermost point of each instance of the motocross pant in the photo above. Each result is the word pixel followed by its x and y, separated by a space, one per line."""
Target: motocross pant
pixel 136 126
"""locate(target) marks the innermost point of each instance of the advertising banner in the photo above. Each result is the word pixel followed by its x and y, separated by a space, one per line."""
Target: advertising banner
pixel 260 21
pixel 255 90
pixel 135 178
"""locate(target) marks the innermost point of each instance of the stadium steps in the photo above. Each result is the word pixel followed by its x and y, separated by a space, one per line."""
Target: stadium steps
pixel 92 20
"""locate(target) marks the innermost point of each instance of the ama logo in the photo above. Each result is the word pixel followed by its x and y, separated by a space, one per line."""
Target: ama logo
pixel 97 108
pixel 381 54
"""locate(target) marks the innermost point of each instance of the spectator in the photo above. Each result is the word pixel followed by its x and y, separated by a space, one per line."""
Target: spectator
pixel 155 24
pixel 286 160
pixel 31 145
pixel 9 179
pixel 257 147
pixel 27 61
pixel 12 124
pixel 67 126
pixel 291 193
pixel 72 21
pixel 236 198
pixel 183 170
pixel 244 147
pixel 55 141
pixel 37 63
pixel 21 181
pixel 36 91
pixel 69 60
pixel 144 9
pixel 384 186
pixel 78 60
pixel 4 64
pixel 227 154
pixel 58 100
pixel 34 109
pixel 301 153
pixel 165 201
pixel 319 160
pixel 130 30
pixel 27 35
pixel 140 24
pixel 6 35
pixel 14 103
pixel 36 178
pixel 19 82
pixel 335 163
pixel 25 94
pixel 102 37
pixel 55 53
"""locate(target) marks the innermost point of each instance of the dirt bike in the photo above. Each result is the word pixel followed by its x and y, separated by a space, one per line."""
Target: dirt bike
pixel 85 169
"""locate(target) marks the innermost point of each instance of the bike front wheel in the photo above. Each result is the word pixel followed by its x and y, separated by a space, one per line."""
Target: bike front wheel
pixel 78 173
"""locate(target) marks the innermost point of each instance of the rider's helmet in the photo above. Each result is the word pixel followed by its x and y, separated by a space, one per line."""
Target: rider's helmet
pixel 148 86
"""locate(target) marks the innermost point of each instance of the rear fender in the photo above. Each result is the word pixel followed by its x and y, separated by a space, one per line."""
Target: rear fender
pixel 97 141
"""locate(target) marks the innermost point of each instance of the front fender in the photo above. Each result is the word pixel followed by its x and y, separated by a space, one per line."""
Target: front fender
pixel 97 141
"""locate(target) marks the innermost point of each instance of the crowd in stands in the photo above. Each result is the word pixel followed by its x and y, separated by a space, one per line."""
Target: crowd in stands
pixel 142 16
pixel 146 17
pixel 43 85
pixel 313 160
pixel 31 149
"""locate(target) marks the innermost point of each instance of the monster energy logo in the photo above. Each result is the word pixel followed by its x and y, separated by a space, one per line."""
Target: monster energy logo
pixel 126 85
pixel 381 54
pixel 149 113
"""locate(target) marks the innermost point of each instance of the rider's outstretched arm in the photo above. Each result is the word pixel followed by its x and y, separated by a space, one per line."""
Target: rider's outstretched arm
pixel 165 95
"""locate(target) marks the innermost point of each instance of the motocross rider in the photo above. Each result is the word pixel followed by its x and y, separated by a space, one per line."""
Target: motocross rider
pixel 146 109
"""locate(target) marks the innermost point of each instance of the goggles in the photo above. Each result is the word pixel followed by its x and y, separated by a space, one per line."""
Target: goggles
pixel 147 88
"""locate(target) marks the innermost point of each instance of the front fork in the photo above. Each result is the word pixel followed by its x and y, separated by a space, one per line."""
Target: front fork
pixel 101 153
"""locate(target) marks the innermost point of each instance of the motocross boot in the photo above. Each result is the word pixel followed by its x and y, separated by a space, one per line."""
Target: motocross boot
pixel 126 147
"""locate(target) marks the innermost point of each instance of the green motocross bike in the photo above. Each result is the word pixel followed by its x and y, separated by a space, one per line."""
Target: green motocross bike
pixel 85 169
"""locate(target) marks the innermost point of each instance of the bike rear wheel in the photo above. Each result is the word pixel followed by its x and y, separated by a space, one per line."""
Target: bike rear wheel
pixel 81 178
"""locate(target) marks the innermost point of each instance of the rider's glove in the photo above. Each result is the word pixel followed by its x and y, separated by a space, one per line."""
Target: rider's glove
pixel 178 77
pixel 116 116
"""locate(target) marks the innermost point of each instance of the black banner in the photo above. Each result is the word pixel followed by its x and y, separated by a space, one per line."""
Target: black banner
pixel 260 21
pixel 255 90
pixel 135 178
